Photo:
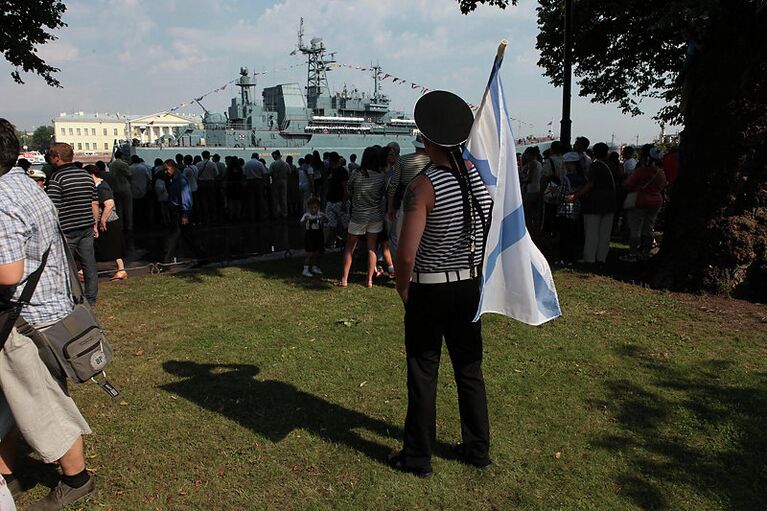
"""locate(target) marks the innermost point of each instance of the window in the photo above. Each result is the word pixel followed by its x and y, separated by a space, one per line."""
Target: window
pixel 79 146
pixel 106 145
pixel 87 146
pixel 93 131
pixel 115 131
pixel 63 131
pixel 78 131
pixel 105 132
pixel 70 131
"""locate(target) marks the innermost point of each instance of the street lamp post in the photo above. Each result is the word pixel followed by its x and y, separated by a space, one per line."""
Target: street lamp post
pixel 565 131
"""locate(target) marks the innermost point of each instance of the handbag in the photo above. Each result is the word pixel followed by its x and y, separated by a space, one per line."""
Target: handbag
pixel 630 202
pixel 551 195
pixel 10 310
pixel 74 347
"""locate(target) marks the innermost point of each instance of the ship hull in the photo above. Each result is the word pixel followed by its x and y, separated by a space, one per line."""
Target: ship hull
pixel 344 145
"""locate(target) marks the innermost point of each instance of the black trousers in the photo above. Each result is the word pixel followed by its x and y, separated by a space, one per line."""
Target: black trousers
pixel 206 194
pixel 435 311
pixel 177 232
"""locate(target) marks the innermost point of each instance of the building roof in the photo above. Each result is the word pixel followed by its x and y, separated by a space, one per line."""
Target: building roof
pixel 97 116
pixel 167 118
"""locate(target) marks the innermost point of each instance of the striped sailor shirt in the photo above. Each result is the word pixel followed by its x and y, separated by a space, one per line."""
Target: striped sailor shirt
pixel 73 191
pixel 444 245
pixel 366 194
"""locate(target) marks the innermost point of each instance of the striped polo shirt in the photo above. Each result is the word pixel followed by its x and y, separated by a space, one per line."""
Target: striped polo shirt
pixel 367 196
pixel 444 245
pixel 72 191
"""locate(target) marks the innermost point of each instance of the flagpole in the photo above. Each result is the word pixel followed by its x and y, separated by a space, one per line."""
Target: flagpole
pixel 502 48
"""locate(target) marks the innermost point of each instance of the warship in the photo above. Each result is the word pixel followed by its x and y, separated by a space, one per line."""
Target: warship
pixel 292 120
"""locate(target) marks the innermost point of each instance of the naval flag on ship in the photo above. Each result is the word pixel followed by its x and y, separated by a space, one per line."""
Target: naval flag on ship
pixel 516 279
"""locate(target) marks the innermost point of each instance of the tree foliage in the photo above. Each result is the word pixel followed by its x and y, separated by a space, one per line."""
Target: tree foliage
pixel 707 60
pixel 468 6
pixel 26 24
pixel 626 50
pixel 41 138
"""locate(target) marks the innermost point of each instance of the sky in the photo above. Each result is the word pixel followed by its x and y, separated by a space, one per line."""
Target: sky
pixel 143 57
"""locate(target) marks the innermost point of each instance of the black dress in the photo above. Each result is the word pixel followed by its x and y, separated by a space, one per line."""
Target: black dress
pixel 109 244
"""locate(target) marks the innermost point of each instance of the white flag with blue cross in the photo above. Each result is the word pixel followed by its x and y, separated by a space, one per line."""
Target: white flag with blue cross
pixel 516 278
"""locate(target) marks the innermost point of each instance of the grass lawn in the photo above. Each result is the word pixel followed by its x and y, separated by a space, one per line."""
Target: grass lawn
pixel 245 389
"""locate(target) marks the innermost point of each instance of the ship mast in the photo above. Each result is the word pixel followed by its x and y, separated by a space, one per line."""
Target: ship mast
pixel 376 84
pixel 317 67
pixel 245 84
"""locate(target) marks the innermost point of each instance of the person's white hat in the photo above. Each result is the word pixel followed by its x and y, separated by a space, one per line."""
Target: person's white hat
pixel 36 174
pixel 571 157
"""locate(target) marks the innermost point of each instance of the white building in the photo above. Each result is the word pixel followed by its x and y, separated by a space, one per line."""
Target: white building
pixel 96 134
pixel 148 129
pixel 91 134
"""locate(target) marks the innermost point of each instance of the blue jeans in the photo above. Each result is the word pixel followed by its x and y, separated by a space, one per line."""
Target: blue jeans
pixel 81 245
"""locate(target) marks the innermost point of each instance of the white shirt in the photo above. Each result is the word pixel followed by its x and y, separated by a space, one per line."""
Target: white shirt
pixel 254 169
pixel 304 172
pixel 207 170
pixel 629 165
pixel 534 176
pixel 190 173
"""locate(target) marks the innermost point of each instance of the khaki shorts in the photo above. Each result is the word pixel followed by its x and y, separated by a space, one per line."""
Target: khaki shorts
pixel 36 402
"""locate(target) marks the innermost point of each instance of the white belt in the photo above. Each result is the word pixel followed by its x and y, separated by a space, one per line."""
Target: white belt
pixel 442 277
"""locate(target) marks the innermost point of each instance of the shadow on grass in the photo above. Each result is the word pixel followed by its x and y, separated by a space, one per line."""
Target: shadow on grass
pixel 33 471
pixel 290 273
pixel 686 428
pixel 274 409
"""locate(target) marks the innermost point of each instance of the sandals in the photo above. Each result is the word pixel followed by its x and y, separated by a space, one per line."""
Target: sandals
pixel 395 460
pixel 340 283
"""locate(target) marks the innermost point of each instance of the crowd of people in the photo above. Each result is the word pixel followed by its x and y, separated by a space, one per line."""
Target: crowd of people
pixel 580 197
pixel 585 196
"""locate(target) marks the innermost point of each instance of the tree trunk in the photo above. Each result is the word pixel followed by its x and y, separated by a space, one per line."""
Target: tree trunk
pixel 716 234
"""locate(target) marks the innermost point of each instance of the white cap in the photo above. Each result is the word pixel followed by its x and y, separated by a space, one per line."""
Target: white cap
pixel 36 173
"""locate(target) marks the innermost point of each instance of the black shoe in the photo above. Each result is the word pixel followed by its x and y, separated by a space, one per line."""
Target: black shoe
pixel 396 462
pixel 461 456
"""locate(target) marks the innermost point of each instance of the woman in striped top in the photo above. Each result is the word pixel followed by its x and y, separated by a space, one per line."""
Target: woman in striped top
pixel 446 211
pixel 366 189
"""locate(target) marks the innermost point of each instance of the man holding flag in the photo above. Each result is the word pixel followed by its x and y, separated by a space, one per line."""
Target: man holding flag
pixel 445 278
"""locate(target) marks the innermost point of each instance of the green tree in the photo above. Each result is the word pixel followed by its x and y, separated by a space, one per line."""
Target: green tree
pixel 41 138
pixel 27 24
pixel 707 59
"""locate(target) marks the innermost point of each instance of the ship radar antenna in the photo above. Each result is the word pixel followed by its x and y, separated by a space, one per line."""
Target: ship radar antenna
pixel 245 83
pixel 317 68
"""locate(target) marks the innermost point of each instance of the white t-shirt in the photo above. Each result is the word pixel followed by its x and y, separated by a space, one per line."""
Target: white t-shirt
pixel 534 169
pixel 190 173
pixel 629 165
pixel 556 160
pixel 313 222
pixel 304 172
